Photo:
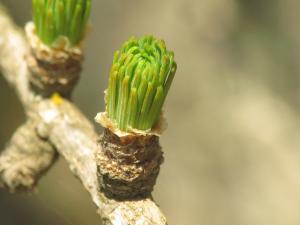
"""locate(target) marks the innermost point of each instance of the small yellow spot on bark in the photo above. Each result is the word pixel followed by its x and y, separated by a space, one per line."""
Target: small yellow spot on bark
pixel 56 98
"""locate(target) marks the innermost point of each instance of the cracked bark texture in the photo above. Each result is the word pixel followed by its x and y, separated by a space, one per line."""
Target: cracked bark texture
pixel 56 124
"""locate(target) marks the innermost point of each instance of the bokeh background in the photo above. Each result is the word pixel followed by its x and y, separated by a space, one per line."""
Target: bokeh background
pixel 232 144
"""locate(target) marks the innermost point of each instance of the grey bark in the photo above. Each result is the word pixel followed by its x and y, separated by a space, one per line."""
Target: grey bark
pixel 25 159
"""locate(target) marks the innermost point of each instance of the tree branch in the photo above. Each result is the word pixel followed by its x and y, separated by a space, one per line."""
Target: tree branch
pixel 58 123
pixel 25 159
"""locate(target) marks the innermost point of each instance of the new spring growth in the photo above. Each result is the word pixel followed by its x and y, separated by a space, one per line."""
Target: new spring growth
pixel 139 81
pixel 61 18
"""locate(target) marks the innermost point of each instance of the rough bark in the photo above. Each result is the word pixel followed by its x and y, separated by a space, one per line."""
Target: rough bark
pixel 25 158
pixel 57 124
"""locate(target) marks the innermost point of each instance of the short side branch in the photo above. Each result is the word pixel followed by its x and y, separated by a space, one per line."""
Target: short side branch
pixel 13 50
pixel 25 159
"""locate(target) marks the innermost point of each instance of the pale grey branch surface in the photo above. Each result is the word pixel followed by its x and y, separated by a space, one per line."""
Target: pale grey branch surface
pixel 25 158
pixel 56 124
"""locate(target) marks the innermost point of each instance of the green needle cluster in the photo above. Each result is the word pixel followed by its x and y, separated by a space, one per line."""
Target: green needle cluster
pixel 140 78
pixel 61 18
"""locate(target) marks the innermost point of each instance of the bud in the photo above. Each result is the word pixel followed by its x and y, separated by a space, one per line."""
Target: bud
pixel 57 19
pixel 139 81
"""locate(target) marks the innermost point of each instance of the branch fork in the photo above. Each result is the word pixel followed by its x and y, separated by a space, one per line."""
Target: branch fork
pixel 55 126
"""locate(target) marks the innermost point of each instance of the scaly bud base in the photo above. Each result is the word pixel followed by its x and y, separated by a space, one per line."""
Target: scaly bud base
pixel 53 70
pixel 129 165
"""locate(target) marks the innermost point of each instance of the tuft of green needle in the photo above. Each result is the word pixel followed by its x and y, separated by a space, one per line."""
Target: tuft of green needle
pixel 139 81
pixel 54 19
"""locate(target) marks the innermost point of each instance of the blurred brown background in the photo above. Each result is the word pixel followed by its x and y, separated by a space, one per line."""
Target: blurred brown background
pixel 232 146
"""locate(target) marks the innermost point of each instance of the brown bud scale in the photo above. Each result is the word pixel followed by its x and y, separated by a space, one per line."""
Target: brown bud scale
pixel 53 69
pixel 129 165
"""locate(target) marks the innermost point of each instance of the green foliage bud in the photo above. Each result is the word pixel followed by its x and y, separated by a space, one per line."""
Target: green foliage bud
pixel 61 18
pixel 139 81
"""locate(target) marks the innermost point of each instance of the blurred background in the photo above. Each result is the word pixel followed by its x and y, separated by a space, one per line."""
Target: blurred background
pixel 232 144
